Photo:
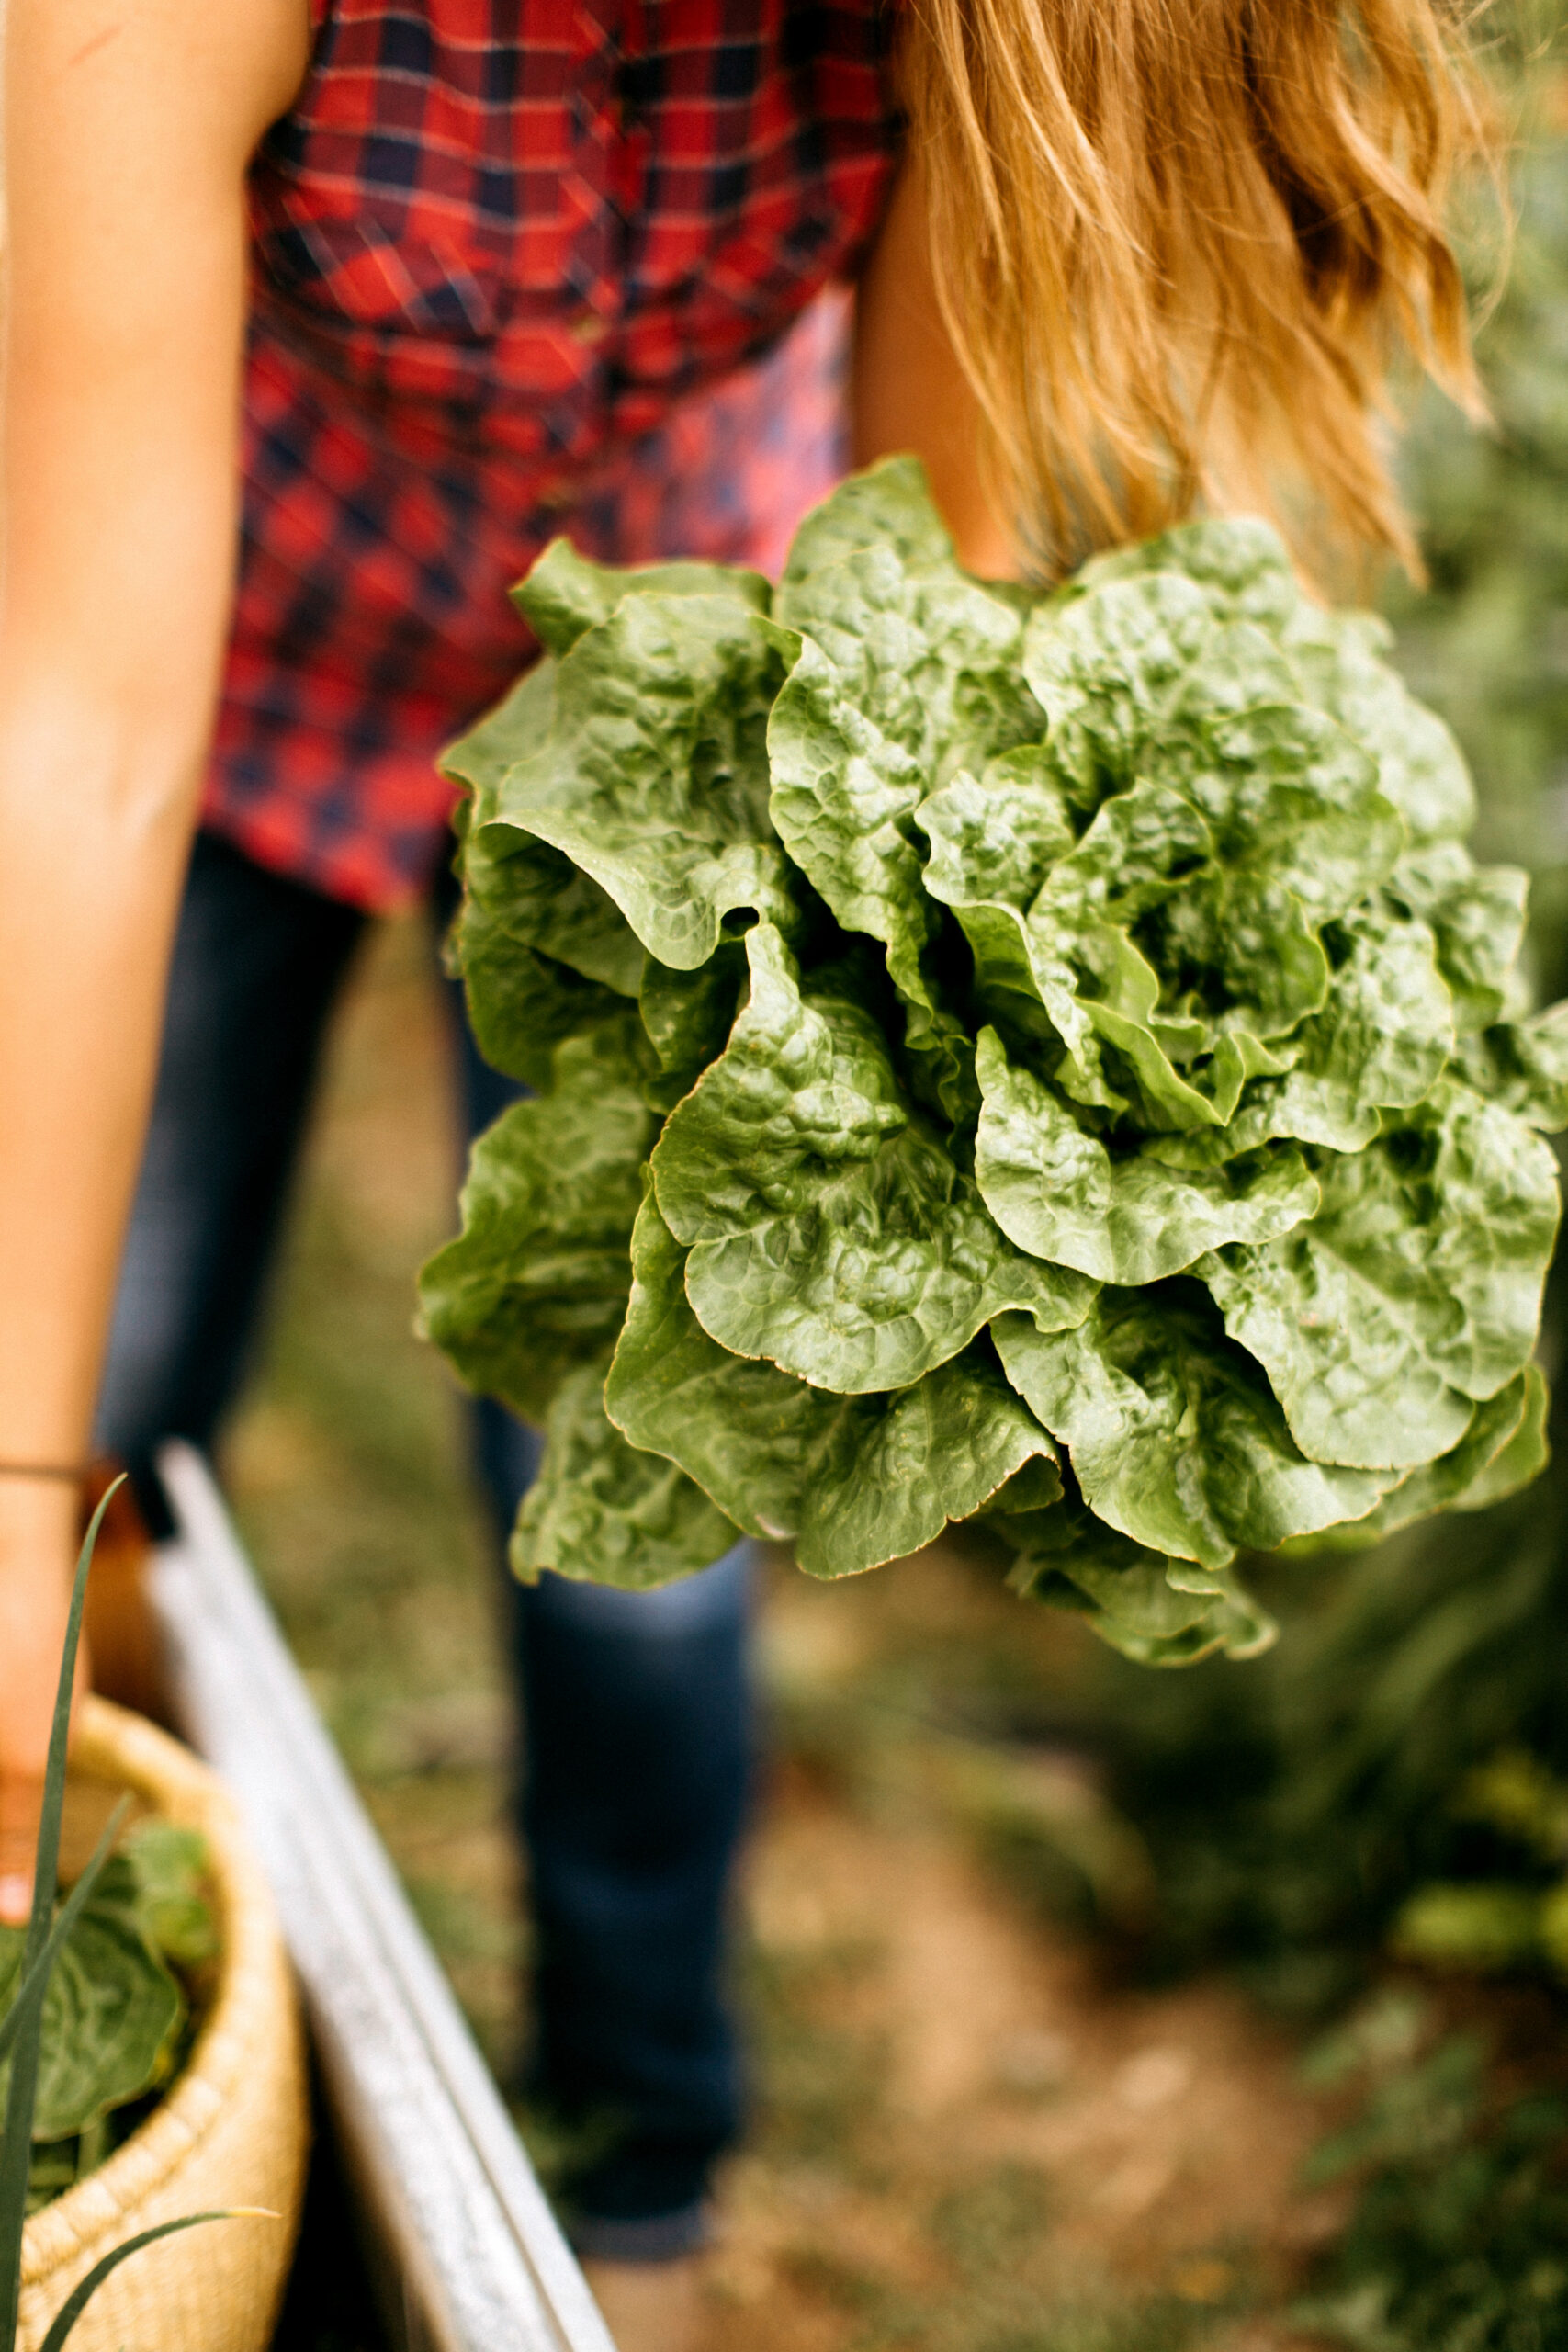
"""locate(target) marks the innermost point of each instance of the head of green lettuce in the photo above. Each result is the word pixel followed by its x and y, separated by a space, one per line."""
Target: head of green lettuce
pixel 1048 1058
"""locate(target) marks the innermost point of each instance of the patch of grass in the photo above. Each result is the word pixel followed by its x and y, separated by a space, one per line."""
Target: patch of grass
pixel 1459 2242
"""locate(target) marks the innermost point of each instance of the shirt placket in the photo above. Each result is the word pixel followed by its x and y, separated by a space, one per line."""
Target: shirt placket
pixel 596 260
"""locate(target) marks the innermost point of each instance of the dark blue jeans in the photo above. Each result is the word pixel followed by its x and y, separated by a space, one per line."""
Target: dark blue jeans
pixel 637 1738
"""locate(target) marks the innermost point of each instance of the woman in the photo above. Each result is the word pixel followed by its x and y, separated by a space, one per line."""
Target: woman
pixel 382 293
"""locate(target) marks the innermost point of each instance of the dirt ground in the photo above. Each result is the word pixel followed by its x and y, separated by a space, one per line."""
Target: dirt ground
pixel 968 2137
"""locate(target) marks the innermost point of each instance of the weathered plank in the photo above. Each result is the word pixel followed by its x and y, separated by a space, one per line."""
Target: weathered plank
pixel 477 2259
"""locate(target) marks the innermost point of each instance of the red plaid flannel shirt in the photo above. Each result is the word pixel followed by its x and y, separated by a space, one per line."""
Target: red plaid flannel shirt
pixel 520 267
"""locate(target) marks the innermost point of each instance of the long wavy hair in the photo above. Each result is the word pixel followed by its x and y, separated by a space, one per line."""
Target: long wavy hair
pixel 1180 244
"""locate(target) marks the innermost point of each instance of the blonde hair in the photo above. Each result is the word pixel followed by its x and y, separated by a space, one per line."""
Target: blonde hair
pixel 1178 244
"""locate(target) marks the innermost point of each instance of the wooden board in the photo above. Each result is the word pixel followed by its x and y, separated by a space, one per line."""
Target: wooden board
pixel 470 2255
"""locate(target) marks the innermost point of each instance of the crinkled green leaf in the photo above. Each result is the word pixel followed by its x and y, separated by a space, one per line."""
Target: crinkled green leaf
pixel 1293 804
pixel 1155 1609
pixel 1056 1190
pixel 536 1281
pixel 1174 1436
pixel 994 838
pixel 888 504
pixel 1477 918
pixel 927 655
pixel 1240 562
pixel 1142 844
pixel 1381 1043
pixel 653 775
pixel 523 1003
pixel 898 1467
pixel 528 894
pixel 508 733
pixel 854 1480
pixel 1100 990
pixel 566 595
pixel 1503 1447
pixel 540 947
pixel 604 1512
pixel 109 2010
pixel 749 1433
pixel 688 1016
pixel 1521 1458
pixel 1106 666
pixel 167 1866
pixel 905 671
pixel 1147 882
pixel 829 1228
pixel 1335 658
pixel 843 800
pixel 1413 1294
pixel 1237 823
pixel 1523 1065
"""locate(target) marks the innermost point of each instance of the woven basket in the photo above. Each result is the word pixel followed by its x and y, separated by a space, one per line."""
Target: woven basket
pixel 233 2131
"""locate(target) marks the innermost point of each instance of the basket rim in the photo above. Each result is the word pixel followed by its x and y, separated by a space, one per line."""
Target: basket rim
pixel 110 1742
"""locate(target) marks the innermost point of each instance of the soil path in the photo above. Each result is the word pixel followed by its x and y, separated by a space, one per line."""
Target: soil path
pixel 966 2139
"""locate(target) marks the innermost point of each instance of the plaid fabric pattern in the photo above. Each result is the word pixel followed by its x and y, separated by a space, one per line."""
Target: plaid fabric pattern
pixel 520 267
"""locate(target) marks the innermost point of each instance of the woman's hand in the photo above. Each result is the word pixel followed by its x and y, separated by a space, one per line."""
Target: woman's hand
pixel 127 132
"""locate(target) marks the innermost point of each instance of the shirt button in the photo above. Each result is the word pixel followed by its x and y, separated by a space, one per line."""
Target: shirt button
pixel 589 327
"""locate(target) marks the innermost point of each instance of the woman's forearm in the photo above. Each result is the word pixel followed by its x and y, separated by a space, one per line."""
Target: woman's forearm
pixel 93 860
pixel 127 132
pixel 88 887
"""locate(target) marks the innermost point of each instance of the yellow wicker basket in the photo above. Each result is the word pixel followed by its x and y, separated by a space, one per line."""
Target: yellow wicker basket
pixel 233 2131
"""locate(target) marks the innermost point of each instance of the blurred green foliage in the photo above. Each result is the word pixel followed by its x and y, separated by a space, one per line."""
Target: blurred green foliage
pixel 1460 2239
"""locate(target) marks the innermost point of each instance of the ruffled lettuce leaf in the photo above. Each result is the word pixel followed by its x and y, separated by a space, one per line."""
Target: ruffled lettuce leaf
pixel 888 504
pixel 929 657
pixel 1477 918
pixel 1414 1293
pixel 604 1512
pixel 537 1283
pixel 1174 1435
pixel 995 837
pixel 1504 1447
pixel 1183 932
pixel 854 1480
pixel 1127 1219
pixel 688 1017
pixel 829 1229
pixel 110 2011
pixel 566 595
pixel 904 670
pixel 541 949
pixel 1156 1610
pixel 523 1002
pixel 1382 1040
pixel 1336 661
pixel 652 776
pixel 1523 1066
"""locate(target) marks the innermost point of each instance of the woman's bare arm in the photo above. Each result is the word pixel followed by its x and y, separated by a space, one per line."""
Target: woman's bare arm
pixel 909 390
pixel 127 129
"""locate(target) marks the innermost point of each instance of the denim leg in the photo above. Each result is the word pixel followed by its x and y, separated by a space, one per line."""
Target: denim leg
pixel 258 961
pixel 637 1769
